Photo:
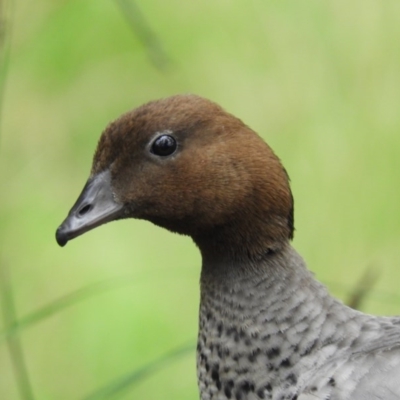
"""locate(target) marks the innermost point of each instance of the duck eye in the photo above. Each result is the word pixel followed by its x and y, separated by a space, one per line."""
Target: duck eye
pixel 164 145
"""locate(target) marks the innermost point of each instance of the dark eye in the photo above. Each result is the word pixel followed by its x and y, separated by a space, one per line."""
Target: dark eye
pixel 164 145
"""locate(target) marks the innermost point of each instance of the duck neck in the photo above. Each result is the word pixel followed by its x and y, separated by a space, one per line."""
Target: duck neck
pixel 271 288
pixel 242 245
pixel 277 268
pixel 260 323
pixel 248 312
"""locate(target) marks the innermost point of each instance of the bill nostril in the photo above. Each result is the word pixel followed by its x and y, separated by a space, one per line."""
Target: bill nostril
pixel 84 210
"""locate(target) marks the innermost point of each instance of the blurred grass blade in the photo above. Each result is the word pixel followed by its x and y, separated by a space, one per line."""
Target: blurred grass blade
pixel 135 377
pixel 61 303
pixel 13 343
pixel 5 40
pixel 141 28
pixel 7 297
pixel 65 301
pixel 362 288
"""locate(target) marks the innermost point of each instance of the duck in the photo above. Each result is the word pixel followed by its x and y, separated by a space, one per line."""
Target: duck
pixel 267 328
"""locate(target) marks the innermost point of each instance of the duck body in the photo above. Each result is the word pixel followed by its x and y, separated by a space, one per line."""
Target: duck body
pixel 267 329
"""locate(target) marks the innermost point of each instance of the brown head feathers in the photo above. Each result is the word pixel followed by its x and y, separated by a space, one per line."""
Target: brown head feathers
pixel 185 164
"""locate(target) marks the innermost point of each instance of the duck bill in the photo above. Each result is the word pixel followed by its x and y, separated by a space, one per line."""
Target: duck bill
pixel 95 206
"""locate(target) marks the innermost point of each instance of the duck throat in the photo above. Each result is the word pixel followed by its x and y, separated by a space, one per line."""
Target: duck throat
pixel 241 243
pixel 255 325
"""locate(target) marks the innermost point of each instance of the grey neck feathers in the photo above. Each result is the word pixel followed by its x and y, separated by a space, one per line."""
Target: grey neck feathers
pixel 271 326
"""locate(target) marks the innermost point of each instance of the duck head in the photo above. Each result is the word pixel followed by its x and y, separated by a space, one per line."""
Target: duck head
pixel 185 164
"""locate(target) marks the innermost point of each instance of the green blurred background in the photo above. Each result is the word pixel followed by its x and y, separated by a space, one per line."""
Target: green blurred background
pixel 320 81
